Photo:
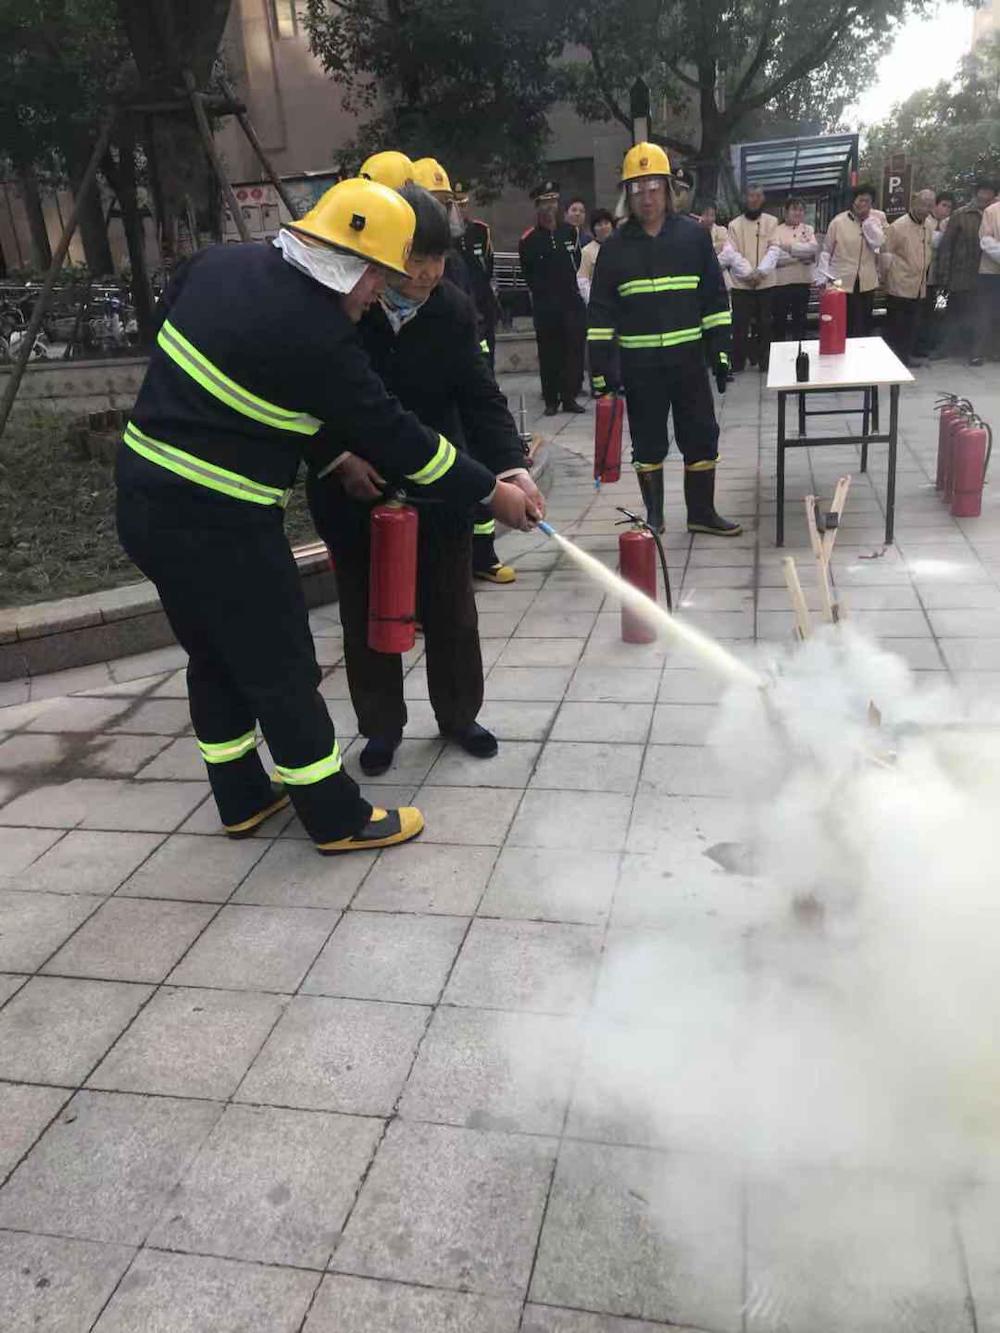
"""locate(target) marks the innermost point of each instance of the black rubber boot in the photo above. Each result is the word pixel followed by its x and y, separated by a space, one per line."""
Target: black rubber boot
pixel 651 489
pixel 699 494
pixel 378 754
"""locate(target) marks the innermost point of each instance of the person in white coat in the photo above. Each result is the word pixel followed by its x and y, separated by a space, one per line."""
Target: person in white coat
pixel 752 236
pixel 794 275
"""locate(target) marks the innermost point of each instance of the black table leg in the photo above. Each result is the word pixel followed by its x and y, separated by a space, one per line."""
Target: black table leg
pixel 865 417
pixel 890 486
pixel 802 414
pixel 779 526
pixel 875 427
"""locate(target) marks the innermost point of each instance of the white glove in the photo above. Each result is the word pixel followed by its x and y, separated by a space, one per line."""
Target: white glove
pixel 741 266
pixel 824 268
pixel 770 261
pixel 804 250
pixel 873 233
pixel 990 247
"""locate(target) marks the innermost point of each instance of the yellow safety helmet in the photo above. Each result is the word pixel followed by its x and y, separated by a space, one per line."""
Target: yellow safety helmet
pixel 431 175
pixel 388 168
pixel 645 159
pixel 364 218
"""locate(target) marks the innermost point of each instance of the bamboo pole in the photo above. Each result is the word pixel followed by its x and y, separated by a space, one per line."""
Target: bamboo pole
pixel 205 130
pixel 803 628
pixel 240 112
pixel 59 255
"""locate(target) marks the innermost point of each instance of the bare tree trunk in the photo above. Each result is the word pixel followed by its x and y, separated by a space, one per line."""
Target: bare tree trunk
pixel 121 176
pixel 41 249
pixel 93 223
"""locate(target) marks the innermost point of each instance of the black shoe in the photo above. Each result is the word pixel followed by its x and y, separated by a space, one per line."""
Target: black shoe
pixel 975 360
pixel 573 407
pixel 551 410
pixel 378 754
pixel 475 740
pixel 651 490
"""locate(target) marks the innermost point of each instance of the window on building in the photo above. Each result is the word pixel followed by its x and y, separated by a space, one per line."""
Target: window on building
pixel 284 20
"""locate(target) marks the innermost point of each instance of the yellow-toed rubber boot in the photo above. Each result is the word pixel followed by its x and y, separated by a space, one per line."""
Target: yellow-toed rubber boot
pixel 247 827
pixel 384 829
pixel 498 573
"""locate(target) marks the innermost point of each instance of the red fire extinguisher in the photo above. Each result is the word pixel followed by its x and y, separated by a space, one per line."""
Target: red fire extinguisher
pixel 971 447
pixel 955 424
pixel 832 321
pixel 637 562
pixel 609 417
pixel 392 578
pixel 948 410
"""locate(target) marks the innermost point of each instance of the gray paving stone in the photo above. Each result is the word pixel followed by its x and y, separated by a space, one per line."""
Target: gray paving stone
pixel 684 686
pixel 88 862
pixel 596 684
pixel 9 983
pixel 292 874
pixel 550 1319
pixel 661 822
pixel 617 723
pixel 55 1030
pixel 555 625
pixel 411 764
pixel 132 939
pixel 178 1293
pixel 55 1285
pixel 533 965
pixel 34 925
pixel 682 724
pixel 256 948
pixel 193 868
pixel 362 1305
pixel 632 1232
pixel 19 847
pixel 270 1185
pixel 571 819
pixel 138 666
pixel 29 755
pixel 60 805
pixel 588 766
pixel 189 1043
pixel 489 1070
pixel 531 684
pixel 119 756
pixel 449 1207
pixel 156 807
pixel 511 767
pixel 464 816
pixel 685 770
pixel 79 714
pixel 541 653
pixel 383 956
pixel 104 1167
pixel 24 1113
pixel 542 884
pixel 178 760
pixel 337 1055
pixel 428 878
pixel 518 721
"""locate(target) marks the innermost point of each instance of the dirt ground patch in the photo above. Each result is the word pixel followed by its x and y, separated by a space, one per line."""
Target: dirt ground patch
pixel 57 516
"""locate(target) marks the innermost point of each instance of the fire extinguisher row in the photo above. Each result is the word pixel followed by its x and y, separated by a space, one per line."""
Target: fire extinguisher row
pixel 965 442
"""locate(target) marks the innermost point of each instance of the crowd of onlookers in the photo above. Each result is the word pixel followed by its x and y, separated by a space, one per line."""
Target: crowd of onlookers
pixel 937 266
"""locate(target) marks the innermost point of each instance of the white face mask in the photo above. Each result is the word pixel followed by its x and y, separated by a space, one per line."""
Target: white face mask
pixel 335 269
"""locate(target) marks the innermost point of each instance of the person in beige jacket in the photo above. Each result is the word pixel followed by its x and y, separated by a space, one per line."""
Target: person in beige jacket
pixel 794 274
pixel 988 287
pixel 751 235
pixel 906 259
pixel 849 258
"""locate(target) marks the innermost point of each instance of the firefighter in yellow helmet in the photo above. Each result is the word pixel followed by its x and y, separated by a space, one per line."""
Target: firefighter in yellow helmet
pixel 254 361
pixel 389 168
pixel 658 293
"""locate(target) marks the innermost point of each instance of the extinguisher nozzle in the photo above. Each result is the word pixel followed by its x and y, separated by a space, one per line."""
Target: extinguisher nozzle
pixel 546 528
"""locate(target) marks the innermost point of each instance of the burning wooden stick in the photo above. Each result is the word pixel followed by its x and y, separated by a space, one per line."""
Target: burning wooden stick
pixel 803 628
pixel 822 537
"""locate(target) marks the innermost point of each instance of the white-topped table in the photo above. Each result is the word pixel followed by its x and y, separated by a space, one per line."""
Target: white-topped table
pixel 866 364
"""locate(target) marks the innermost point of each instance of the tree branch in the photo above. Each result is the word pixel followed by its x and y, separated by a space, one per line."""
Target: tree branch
pixel 753 69
pixel 678 73
pixel 808 61
pixel 604 87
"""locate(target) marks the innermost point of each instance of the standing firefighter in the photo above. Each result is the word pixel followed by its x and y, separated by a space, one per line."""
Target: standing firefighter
pixel 658 292
pixel 256 353
pixel 550 256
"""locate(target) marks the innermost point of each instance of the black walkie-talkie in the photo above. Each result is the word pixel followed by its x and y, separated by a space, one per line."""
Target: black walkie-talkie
pixel 802 366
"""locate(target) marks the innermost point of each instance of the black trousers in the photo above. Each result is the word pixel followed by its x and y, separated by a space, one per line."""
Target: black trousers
pixel 987 315
pixel 791 303
pixel 753 318
pixel 233 596
pixel 561 335
pixel 859 313
pixel 446 607
pixel 960 323
pixel 929 334
pixel 651 395
pixel 903 317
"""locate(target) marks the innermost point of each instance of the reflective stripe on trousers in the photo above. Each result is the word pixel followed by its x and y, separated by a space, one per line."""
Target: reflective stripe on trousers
pixel 224 752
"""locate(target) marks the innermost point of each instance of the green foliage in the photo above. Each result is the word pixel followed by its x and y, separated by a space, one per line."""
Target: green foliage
pixel 951 132
pixel 466 81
